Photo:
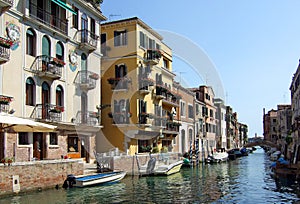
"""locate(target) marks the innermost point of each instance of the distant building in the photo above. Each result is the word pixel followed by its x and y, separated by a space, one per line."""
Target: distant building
pixel 221 123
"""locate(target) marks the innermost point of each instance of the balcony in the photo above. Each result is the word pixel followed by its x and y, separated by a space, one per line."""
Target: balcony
pixel 47 67
pixel 4 103
pixel 170 100
pixel 153 56
pixel 48 112
pixel 144 85
pixel 120 117
pixel 45 17
pixel 86 80
pixel 89 118
pixel 171 127
pixel 5 45
pixel 87 40
pixel 119 83
pixel 6 4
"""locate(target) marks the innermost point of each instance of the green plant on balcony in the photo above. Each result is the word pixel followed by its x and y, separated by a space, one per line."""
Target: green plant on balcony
pixel 155 150
pixel 5 100
pixel 164 149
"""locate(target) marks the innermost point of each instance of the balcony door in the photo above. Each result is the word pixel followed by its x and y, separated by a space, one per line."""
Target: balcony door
pixel 45 100
pixel 84 28
pixel 2 145
pixel 39 146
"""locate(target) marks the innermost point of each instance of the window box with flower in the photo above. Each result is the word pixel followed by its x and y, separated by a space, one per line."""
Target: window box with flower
pixel 5 99
pixel 59 62
pixel 7 43
pixel 94 76
pixel 57 109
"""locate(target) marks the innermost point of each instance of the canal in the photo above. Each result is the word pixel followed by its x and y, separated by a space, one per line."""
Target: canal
pixel 245 180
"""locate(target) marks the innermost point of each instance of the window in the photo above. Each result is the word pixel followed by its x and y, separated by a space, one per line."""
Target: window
pixel 120 71
pixel 182 108
pixel 72 144
pixel 191 111
pixel 190 135
pixel 142 40
pixel 93 28
pixel 120 38
pixel 207 96
pixel 46 46
pixel 59 51
pixel 75 18
pixel 165 63
pixel 211 113
pixel 197 109
pixel 30 92
pixel 59 96
pixel 53 138
pixel 103 44
pixel 23 138
pixel 30 42
pixel 151 43
pixel 83 62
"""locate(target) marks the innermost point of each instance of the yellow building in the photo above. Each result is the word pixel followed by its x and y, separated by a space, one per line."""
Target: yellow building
pixel 50 73
pixel 137 83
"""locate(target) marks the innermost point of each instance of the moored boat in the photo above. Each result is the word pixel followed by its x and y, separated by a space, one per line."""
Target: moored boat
pixel 95 179
pixel 166 167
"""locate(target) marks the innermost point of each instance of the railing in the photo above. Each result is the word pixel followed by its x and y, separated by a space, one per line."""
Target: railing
pixel 87 118
pixel 153 56
pixel 48 112
pixel 4 54
pixel 120 118
pixel 86 79
pixel 119 83
pixel 48 66
pixel 4 103
pixel 144 83
pixel 47 18
pixel 172 126
pixel 87 39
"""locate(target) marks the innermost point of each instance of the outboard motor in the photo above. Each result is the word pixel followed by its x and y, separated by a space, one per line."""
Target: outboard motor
pixel 70 181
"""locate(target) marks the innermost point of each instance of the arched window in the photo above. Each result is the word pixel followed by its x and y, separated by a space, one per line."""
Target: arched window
pixel 59 51
pixel 59 96
pixel 30 92
pixel 83 62
pixel 30 42
pixel 190 135
pixel 46 46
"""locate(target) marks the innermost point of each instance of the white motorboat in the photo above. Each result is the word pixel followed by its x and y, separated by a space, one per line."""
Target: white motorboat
pixel 217 157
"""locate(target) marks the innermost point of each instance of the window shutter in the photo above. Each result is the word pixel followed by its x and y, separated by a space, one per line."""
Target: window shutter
pixel 117 71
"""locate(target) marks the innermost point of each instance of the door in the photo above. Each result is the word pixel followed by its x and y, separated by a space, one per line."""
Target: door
pixel 2 143
pixel 38 146
pixel 45 100
pixel 85 148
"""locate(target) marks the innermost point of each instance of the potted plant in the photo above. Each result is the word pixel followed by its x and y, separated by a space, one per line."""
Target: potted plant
pixel 59 62
pixel 5 100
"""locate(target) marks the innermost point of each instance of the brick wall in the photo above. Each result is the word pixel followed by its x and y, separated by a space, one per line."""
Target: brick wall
pixel 38 174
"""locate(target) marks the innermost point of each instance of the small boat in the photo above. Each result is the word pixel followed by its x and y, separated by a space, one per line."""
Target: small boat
pixel 274 156
pixel 95 179
pixel 165 167
pixel 217 157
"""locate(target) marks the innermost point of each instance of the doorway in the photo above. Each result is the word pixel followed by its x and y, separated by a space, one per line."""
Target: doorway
pixel 38 146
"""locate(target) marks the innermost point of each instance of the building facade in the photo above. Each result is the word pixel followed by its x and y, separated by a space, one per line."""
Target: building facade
pixel 54 60
pixel 137 81
pixel 221 125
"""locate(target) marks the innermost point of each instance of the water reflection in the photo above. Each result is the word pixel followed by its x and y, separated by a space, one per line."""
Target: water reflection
pixel 245 180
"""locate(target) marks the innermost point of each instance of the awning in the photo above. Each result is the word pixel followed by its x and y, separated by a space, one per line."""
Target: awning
pixel 64 5
pixel 142 134
pixel 8 121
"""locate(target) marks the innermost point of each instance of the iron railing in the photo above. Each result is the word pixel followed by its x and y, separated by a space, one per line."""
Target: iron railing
pixel 86 79
pixel 47 18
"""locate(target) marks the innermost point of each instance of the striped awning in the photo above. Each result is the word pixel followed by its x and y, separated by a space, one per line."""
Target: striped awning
pixel 64 5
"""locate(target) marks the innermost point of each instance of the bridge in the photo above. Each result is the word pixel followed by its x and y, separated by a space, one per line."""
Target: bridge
pixel 261 143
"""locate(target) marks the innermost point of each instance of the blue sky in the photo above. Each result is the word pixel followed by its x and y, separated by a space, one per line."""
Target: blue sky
pixel 253 44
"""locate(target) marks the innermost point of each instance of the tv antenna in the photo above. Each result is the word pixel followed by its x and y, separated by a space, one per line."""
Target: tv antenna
pixel 112 15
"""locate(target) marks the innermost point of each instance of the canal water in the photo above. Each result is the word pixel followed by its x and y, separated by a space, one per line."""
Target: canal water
pixel 245 180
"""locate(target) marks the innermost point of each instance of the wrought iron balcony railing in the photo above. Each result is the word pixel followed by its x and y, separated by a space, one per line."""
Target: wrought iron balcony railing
pixel 87 40
pixel 120 117
pixel 89 118
pixel 48 112
pixel 46 17
pixel 119 83
pixel 153 56
pixel 86 80
pixel 5 45
pixel 4 103
pixel 48 67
